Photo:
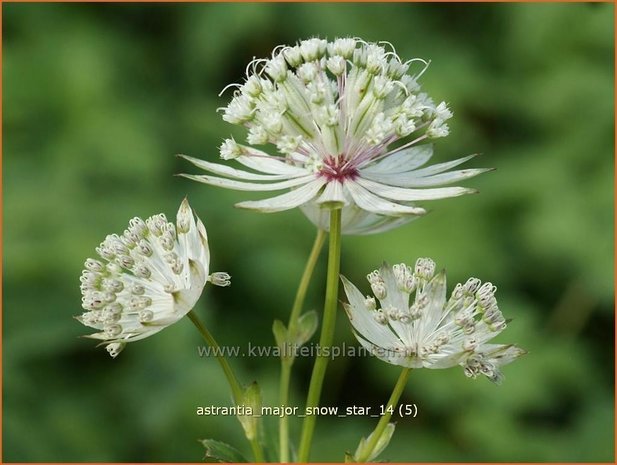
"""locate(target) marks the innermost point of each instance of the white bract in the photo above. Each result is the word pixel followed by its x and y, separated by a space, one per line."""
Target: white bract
pixel 149 277
pixel 416 326
pixel 351 128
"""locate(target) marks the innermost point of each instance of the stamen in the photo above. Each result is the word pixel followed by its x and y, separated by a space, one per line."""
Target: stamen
pixel 228 86
pixel 220 278
pixel 380 317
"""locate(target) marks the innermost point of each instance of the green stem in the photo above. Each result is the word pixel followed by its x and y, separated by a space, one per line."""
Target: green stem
pixel 385 419
pixel 284 421
pixel 258 452
pixel 236 389
pixel 286 363
pixel 306 279
pixel 327 333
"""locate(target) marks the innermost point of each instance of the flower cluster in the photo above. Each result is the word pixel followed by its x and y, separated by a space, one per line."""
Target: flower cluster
pixel 351 127
pixel 149 277
pixel 416 326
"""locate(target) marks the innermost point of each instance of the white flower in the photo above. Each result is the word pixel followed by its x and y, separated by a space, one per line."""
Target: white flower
pixel 149 277
pixel 417 327
pixel 352 129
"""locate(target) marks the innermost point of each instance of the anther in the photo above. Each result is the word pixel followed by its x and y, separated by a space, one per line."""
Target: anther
pixel 94 265
pixel 472 285
pixel 145 316
pixel 380 317
pixel 113 285
pixel 142 271
pixel 220 278
pixel 137 289
pixel 113 330
pixel 144 248
pixel 125 261
pixel 114 348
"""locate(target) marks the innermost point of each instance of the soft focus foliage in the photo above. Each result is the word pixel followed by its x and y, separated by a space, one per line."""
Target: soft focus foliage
pixel 97 100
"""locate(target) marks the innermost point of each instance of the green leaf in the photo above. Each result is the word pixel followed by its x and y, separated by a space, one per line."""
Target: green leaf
pixel 382 443
pixel 307 325
pixel 217 451
pixel 280 333
pixel 251 398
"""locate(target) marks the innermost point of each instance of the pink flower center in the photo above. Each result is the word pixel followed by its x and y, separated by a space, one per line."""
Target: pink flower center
pixel 336 168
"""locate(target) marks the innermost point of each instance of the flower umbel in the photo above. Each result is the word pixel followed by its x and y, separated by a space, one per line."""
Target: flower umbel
pixel 351 128
pixel 416 326
pixel 149 277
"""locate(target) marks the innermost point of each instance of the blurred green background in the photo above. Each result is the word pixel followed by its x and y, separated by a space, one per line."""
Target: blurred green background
pixel 97 100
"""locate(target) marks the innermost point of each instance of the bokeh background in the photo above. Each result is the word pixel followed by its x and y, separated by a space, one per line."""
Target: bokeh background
pixel 98 99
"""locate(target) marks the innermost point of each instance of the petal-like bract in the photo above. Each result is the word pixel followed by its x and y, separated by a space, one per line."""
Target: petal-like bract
pixel 351 128
pixel 416 326
pixel 146 279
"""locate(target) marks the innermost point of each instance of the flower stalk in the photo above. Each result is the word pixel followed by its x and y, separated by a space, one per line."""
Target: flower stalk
pixel 236 389
pixel 287 362
pixel 327 332
pixel 374 438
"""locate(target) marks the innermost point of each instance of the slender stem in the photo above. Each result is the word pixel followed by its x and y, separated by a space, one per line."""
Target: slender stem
pixel 327 333
pixel 229 374
pixel 286 363
pixel 306 278
pixel 284 421
pixel 258 452
pixel 385 419
pixel 236 389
